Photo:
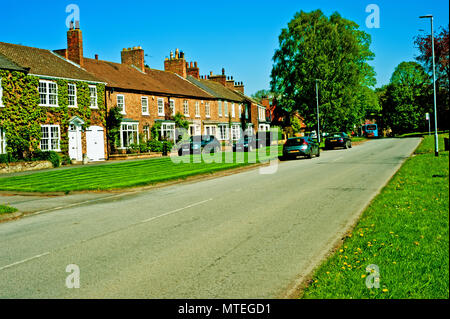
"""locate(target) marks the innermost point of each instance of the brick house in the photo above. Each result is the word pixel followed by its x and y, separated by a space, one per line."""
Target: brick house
pixel 67 99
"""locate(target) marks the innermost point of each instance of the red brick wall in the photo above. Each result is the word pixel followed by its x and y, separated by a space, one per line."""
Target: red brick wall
pixel 134 56
pixel 75 46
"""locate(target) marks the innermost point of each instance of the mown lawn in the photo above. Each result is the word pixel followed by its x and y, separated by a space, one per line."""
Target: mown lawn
pixel 118 175
pixel 405 232
pixel 7 209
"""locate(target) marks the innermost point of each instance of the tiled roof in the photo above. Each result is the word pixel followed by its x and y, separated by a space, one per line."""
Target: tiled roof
pixel 247 98
pixel 44 62
pixel 126 77
pixel 216 89
pixel 7 64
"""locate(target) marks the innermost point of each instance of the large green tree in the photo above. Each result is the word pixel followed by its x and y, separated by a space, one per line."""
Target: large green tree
pixel 333 50
pixel 407 98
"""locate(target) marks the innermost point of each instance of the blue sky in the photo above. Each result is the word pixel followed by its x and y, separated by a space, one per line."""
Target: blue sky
pixel 240 36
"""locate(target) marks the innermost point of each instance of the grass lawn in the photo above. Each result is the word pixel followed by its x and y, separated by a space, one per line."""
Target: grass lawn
pixel 7 209
pixel 404 231
pixel 115 176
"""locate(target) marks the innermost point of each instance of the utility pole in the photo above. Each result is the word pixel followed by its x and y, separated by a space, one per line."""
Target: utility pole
pixel 318 123
pixel 436 145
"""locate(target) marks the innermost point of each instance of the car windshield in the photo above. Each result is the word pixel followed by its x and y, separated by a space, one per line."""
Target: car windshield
pixel 294 141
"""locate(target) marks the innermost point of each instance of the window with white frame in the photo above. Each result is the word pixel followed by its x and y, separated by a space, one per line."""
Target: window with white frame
pixel 168 131
pixel 2 141
pixel 172 107
pixel 1 94
pixel 210 130
pixel 160 107
pixel 121 103
pixel 93 96
pixel 246 112
pixel 220 108
pixel 72 94
pixel 147 133
pixel 223 132
pixel 48 93
pixel 144 105
pixel 225 108
pixel 233 111
pixel 207 109
pixel 186 108
pixel 50 139
pixel 197 109
pixel 129 134
pixel 262 114
pixel 235 132
pixel 240 110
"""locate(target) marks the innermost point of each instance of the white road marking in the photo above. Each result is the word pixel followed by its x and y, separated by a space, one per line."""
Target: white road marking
pixel 78 204
pixel 176 211
pixel 24 261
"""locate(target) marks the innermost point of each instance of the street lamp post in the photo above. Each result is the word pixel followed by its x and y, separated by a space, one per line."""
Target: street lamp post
pixel 436 145
pixel 318 123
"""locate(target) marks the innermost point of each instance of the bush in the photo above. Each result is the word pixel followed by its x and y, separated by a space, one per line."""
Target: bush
pixel 66 160
pixel 7 158
pixel 155 145
pixel 133 149
pixel 51 156
pixel 143 148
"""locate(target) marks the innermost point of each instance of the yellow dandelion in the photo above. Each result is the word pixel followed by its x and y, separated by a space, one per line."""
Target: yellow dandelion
pixel 341 250
pixel 363 276
pixel 385 290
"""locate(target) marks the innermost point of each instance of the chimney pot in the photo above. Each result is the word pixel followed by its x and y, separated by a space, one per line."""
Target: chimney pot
pixel 195 64
pixel 192 65
pixel 210 73
pixel 96 57
pixel 171 55
pixel 71 25
pixel 77 24
pixel 223 71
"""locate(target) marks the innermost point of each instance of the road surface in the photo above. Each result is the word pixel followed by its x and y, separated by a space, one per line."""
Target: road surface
pixel 240 236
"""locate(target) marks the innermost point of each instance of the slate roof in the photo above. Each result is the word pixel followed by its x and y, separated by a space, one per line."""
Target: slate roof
pixel 216 89
pixel 7 64
pixel 44 62
pixel 126 77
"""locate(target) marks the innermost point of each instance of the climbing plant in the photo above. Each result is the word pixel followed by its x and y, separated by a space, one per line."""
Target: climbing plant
pixel 22 116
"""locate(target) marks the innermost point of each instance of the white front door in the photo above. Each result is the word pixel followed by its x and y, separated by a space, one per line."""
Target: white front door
pixel 95 146
pixel 75 148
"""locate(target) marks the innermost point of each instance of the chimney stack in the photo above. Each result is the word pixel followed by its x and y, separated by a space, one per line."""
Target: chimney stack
pixel 177 64
pixel 75 44
pixel 193 70
pixel 96 57
pixel 239 86
pixel 134 57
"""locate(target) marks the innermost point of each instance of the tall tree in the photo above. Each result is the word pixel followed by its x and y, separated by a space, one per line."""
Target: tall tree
pixel 260 94
pixel 441 51
pixel 407 98
pixel 332 50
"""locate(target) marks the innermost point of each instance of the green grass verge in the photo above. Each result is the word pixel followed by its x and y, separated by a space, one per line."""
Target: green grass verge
pixel 7 209
pixel 404 231
pixel 119 175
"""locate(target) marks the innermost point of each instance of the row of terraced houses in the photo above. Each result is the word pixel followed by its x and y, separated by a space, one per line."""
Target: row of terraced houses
pixel 212 104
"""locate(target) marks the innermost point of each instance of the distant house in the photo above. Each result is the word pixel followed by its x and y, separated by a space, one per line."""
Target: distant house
pixel 277 116
pixel 66 102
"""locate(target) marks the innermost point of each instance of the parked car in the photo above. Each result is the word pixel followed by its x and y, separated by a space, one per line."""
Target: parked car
pixel 340 139
pixel 301 146
pixel 245 144
pixel 196 145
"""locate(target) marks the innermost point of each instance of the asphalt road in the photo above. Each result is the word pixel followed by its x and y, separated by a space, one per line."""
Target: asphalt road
pixel 240 236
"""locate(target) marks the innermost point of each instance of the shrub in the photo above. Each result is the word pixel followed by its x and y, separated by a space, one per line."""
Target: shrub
pixel 51 156
pixel 155 145
pixel 143 148
pixel 133 148
pixel 66 160
pixel 7 158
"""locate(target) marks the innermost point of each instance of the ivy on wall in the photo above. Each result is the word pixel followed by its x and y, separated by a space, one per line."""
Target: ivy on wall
pixel 21 115
pixel 21 118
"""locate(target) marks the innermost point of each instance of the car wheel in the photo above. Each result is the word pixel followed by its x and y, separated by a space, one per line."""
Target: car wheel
pixel 318 152
pixel 346 145
pixel 350 145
